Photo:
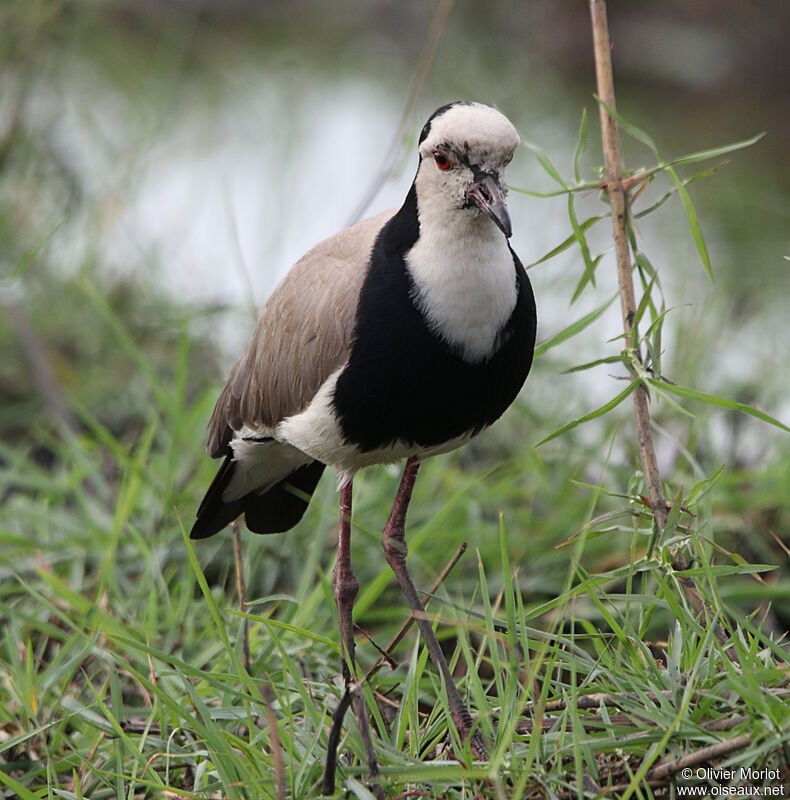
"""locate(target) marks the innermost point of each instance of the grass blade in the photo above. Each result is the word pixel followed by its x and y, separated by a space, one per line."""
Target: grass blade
pixel 599 412
pixel 545 162
pixel 716 400
pixel 566 243
pixel 696 232
pixel 574 328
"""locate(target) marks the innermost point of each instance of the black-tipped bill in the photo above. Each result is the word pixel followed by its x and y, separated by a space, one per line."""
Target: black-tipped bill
pixel 488 195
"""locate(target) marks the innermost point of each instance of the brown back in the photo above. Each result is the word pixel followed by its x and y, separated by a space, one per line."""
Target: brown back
pixel 303 335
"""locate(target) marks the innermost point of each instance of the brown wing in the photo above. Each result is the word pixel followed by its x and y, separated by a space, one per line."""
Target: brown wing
pixel 303 335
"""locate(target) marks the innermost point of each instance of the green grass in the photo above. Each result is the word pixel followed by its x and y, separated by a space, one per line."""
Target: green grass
pixel 121 669
pixel 120 653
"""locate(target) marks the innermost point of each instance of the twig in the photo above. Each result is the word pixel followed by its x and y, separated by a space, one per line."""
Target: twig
pixel 661 773
pixel 88 761
pixel 590 723
pixel 274 743
pixel 594 722
pixel 242 593
pixel 426 598
pixel 617 200
pixel 266 690
pixel 423 66
pixel 599 698
pixel 40 368
pixel 726 723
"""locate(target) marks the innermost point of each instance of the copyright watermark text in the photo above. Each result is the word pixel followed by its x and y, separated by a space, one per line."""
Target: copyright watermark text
pixel 723 782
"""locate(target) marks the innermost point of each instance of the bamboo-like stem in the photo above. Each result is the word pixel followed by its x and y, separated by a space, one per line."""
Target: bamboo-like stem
pixel 619 205
pixel 617 199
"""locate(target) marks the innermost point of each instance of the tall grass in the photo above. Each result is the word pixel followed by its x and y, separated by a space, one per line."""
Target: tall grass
pixel 566 621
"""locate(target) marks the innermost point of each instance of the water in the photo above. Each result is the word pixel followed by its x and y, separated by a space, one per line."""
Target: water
pixel 210 182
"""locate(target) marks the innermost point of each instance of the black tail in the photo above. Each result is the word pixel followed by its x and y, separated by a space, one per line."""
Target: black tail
pixel 278 510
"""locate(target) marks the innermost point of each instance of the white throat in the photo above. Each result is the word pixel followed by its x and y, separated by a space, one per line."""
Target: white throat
pixel 464 280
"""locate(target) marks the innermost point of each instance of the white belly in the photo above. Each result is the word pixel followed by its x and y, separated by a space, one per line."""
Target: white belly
pixel 317 432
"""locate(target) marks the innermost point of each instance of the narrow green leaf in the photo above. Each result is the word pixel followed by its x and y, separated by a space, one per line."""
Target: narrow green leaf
pixel 580 143
pixel 589 266
pixel 22 792
pixel 715 152
pixel 597 363
pixel 628 128
pixel 727 569
pixel 672 521
pixel 599 412
pixel 545 162
pixel 705 173
pixel 644 302
pixel 667 398
pixel 696 232
pixel 116 708
pixel 510 603
pixel 702 488
pixel 585 279
pixel 642 261
pixel 573 329
pixel 29 256
pixel 566 243
pixel 206 590
pixel 715 400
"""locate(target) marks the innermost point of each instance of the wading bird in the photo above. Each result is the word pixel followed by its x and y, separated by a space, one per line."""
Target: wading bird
pixel 402 336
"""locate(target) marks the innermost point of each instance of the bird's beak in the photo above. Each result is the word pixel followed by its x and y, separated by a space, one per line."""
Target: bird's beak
pixel 487 194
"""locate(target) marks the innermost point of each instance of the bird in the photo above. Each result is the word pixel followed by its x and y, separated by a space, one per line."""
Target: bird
pixel 401 337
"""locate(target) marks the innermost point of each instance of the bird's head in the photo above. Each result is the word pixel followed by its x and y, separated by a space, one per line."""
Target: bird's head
pixel 464 149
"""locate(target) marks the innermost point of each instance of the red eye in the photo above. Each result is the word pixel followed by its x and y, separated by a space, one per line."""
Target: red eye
pixel 442 162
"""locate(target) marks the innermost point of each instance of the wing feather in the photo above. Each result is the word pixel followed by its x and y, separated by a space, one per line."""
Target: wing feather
pixel 303 335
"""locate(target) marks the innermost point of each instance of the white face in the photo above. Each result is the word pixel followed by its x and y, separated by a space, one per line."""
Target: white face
pixel 462 143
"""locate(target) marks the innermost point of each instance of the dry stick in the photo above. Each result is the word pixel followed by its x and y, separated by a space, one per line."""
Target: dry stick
pixel 617 200
pixel 590 723
pixel 40 368
pixel 426 598
pixel 44 377
pixel 662 772
pixel 594 701
pixel 242 593
pixel 596 721
pixel 423 66
pixel 275 744
pixel 268 697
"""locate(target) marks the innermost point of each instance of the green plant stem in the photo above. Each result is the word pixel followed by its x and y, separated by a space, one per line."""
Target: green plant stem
pixel 617 200
pixel 619 205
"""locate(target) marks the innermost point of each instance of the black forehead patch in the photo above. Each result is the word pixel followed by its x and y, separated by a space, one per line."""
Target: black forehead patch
pixel 426 129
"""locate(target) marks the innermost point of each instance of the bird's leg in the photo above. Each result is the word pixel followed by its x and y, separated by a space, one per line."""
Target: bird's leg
pixel 346 586
pixel 394 543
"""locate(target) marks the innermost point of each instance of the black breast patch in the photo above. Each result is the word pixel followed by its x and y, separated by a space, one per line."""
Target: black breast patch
pixel 402 381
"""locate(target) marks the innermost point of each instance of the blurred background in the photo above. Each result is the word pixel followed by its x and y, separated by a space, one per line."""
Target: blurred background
pixel 164 162
pixel 162 165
